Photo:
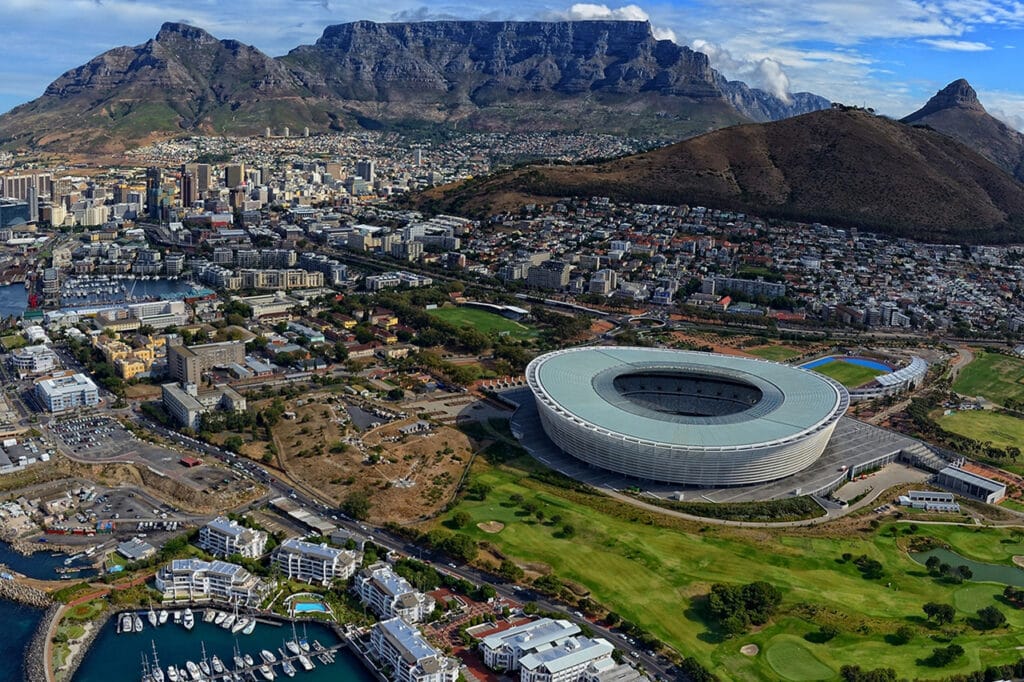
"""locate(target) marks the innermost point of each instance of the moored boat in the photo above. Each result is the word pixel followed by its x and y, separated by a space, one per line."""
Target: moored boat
pixel 188 620
pixel 193 670
pixel 267 672
pixel 247 630
pixel 219 618
pixel 288 668
pixel 162 616
pixel 304 661
pixel 239 625
pixel 268 656
pixel 216 665
pixel 137 622
pixel 228 622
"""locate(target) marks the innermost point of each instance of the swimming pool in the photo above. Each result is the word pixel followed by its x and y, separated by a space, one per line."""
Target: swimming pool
pixel 863 362
pixel 308 607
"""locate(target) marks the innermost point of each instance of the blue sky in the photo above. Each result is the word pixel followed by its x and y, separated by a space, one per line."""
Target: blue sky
pixel 889 54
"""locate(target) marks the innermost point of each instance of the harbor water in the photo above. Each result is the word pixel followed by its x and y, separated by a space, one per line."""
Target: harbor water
pixel 45 565
pixel 116 656
pixel 20 622
pixel 13 300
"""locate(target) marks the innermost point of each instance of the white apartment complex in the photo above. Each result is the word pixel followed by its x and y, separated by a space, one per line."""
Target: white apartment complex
pixel 34 360
pixel 401 647
pixel 566 662
pixel 389 594
pixel 223 537
pixel 314 563
pixel 67 392
pixel 194 579
pixel 503 650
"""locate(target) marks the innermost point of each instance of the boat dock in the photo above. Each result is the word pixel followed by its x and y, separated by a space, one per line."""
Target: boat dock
pixel 318 653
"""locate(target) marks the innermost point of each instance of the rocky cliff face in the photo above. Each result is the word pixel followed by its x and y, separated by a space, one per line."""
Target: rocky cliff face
pixel 762 106
pixel 575 76
pixel 956 111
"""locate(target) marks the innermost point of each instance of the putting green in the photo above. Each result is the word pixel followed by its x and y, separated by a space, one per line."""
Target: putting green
pixel 970 598
pixel 792 660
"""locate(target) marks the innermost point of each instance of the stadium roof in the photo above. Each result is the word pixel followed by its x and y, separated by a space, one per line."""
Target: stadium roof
pixel 793 400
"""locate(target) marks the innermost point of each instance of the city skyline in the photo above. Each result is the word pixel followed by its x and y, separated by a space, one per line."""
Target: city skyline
pixel 891 56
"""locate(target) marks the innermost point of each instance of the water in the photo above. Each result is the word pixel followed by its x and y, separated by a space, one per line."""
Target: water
pixel 307 608
pixel 20 622
pixel 118 657
pixel 42 564
pixel 138 289
pixel 873 364
pixel 985 573
pixel 13 300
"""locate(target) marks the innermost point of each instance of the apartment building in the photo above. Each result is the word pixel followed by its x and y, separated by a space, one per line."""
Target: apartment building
pixel 401 647
pixel 389 595
pixel 567 662
pixel 503 650
pixel 313 563
pixel 195 579
pixel 223 537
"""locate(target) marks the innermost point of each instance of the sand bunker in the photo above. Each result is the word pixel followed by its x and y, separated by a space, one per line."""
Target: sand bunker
pixel 749 650
pixel 490 526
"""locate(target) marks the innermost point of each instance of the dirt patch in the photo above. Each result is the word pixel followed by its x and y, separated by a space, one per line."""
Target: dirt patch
pixel 490 526
pixel 749 649
pixel 408 478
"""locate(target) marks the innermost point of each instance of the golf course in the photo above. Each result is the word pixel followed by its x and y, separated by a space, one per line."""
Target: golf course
pixel 654 571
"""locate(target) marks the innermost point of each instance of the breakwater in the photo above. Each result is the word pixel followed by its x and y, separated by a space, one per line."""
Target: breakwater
pixel 35 662
pixel 24 594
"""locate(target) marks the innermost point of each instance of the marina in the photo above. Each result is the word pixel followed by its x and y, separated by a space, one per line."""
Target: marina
pixel 208 652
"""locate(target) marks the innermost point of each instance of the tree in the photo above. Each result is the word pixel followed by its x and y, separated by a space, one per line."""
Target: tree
pixel 990 618
pixel 903 634
pixel 461 519
pixel 943 656
pixel 568 531
pixel 932 564
pixel 940 613
pixel 357 505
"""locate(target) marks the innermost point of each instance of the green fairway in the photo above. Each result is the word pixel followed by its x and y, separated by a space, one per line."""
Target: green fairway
pixel 972 597
pixel 792 660
pixel 997 377
pixel 848 374
pixel 653 570
pixel 481 320
pixel 1002 430
pixel 775 352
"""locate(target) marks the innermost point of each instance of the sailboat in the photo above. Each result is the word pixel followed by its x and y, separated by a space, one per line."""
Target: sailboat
pixel 151 616
pixel 239 625
pixel 156 672
pixel 137 622
pixel 204 665
pixel 216 665
pixel 238 660
pixel 220 617
pixel 228 622
pixel 304 661
pixel 304 640
pixel 247 630
pixel 288 668
pixel 292 644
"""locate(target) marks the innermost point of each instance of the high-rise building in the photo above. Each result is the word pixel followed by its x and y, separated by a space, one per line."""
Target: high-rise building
pixel 234 175
pixel 154 178
pixel 188 188
pixel 417 156
pixel 33 203
pixel 366 170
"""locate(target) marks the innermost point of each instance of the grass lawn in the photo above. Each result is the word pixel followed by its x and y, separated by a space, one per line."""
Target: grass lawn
pixel 1013 504
pixel 995 376
pixel 488 323
pixel 775 352
pixel 1001 430
pixel 653 570
pixel 847 373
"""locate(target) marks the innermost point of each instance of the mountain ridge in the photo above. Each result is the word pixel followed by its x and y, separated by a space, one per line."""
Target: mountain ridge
pixel 603 75
pixel 841 166
pixel 955 110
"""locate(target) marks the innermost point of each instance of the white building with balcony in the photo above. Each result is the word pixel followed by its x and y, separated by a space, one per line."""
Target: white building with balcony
pixel 389 595
pixel 401 648
pixel 314 563
pixel 223 537
pixel 197 580
pixel 503 650
pixel 566 662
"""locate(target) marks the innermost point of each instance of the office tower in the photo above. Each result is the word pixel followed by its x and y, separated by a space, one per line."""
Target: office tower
pixel 188 188
pixel 33 204
pixel 234 175
pixel 417 156
pixel 366 170
pixel 154 178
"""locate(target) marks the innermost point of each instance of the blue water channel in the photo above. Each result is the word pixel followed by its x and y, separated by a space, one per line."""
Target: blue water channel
pixel 119 656
pixel 873 364
pixel 45 565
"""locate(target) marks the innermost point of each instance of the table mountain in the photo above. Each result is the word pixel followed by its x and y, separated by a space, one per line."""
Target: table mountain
pixel 841 166
pixel 607 76
pixel 956 111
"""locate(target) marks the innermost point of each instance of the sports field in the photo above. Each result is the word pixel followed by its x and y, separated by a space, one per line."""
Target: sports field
pixel 775 352
pixel 649 568
pixel 1001 430
pixel 488 323
pixel 994 376
pixel 848 374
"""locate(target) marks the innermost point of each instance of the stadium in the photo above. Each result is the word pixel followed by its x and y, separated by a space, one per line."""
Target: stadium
pixel 682 417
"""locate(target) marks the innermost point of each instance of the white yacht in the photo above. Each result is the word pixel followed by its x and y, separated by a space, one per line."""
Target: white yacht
pixel 177 617
pixel 288 668
pixel 172 674
pixel 239 625
pixel 152 617
pixel 268 656
pixel 304 661
pixel 137 622
pixel 219 618
pixel 216 665
pixel 188 620
pixel 193 670
pixel 267 672
pixel 209 615
pixel 162 616
pixel 228 622
pixel 247 630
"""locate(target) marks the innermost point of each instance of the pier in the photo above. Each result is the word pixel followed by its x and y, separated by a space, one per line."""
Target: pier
pixel 318 653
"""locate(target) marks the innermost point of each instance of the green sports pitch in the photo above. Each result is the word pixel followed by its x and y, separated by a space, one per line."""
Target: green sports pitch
pixel 848 374
pixel 488 323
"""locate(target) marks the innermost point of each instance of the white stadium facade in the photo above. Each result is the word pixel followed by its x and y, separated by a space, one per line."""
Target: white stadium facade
pixel 683 417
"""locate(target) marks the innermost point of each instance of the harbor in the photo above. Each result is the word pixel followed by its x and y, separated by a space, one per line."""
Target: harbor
pixel 205 645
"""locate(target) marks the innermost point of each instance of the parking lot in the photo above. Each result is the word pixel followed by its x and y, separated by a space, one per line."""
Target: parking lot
pixel 94 437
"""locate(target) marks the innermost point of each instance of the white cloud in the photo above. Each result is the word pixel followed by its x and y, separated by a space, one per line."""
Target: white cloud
pixel 956 45
pixel 583 11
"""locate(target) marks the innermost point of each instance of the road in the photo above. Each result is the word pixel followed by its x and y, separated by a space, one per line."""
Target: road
pixel 654 665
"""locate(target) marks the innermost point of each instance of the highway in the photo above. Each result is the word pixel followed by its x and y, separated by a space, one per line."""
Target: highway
pixel 656 666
